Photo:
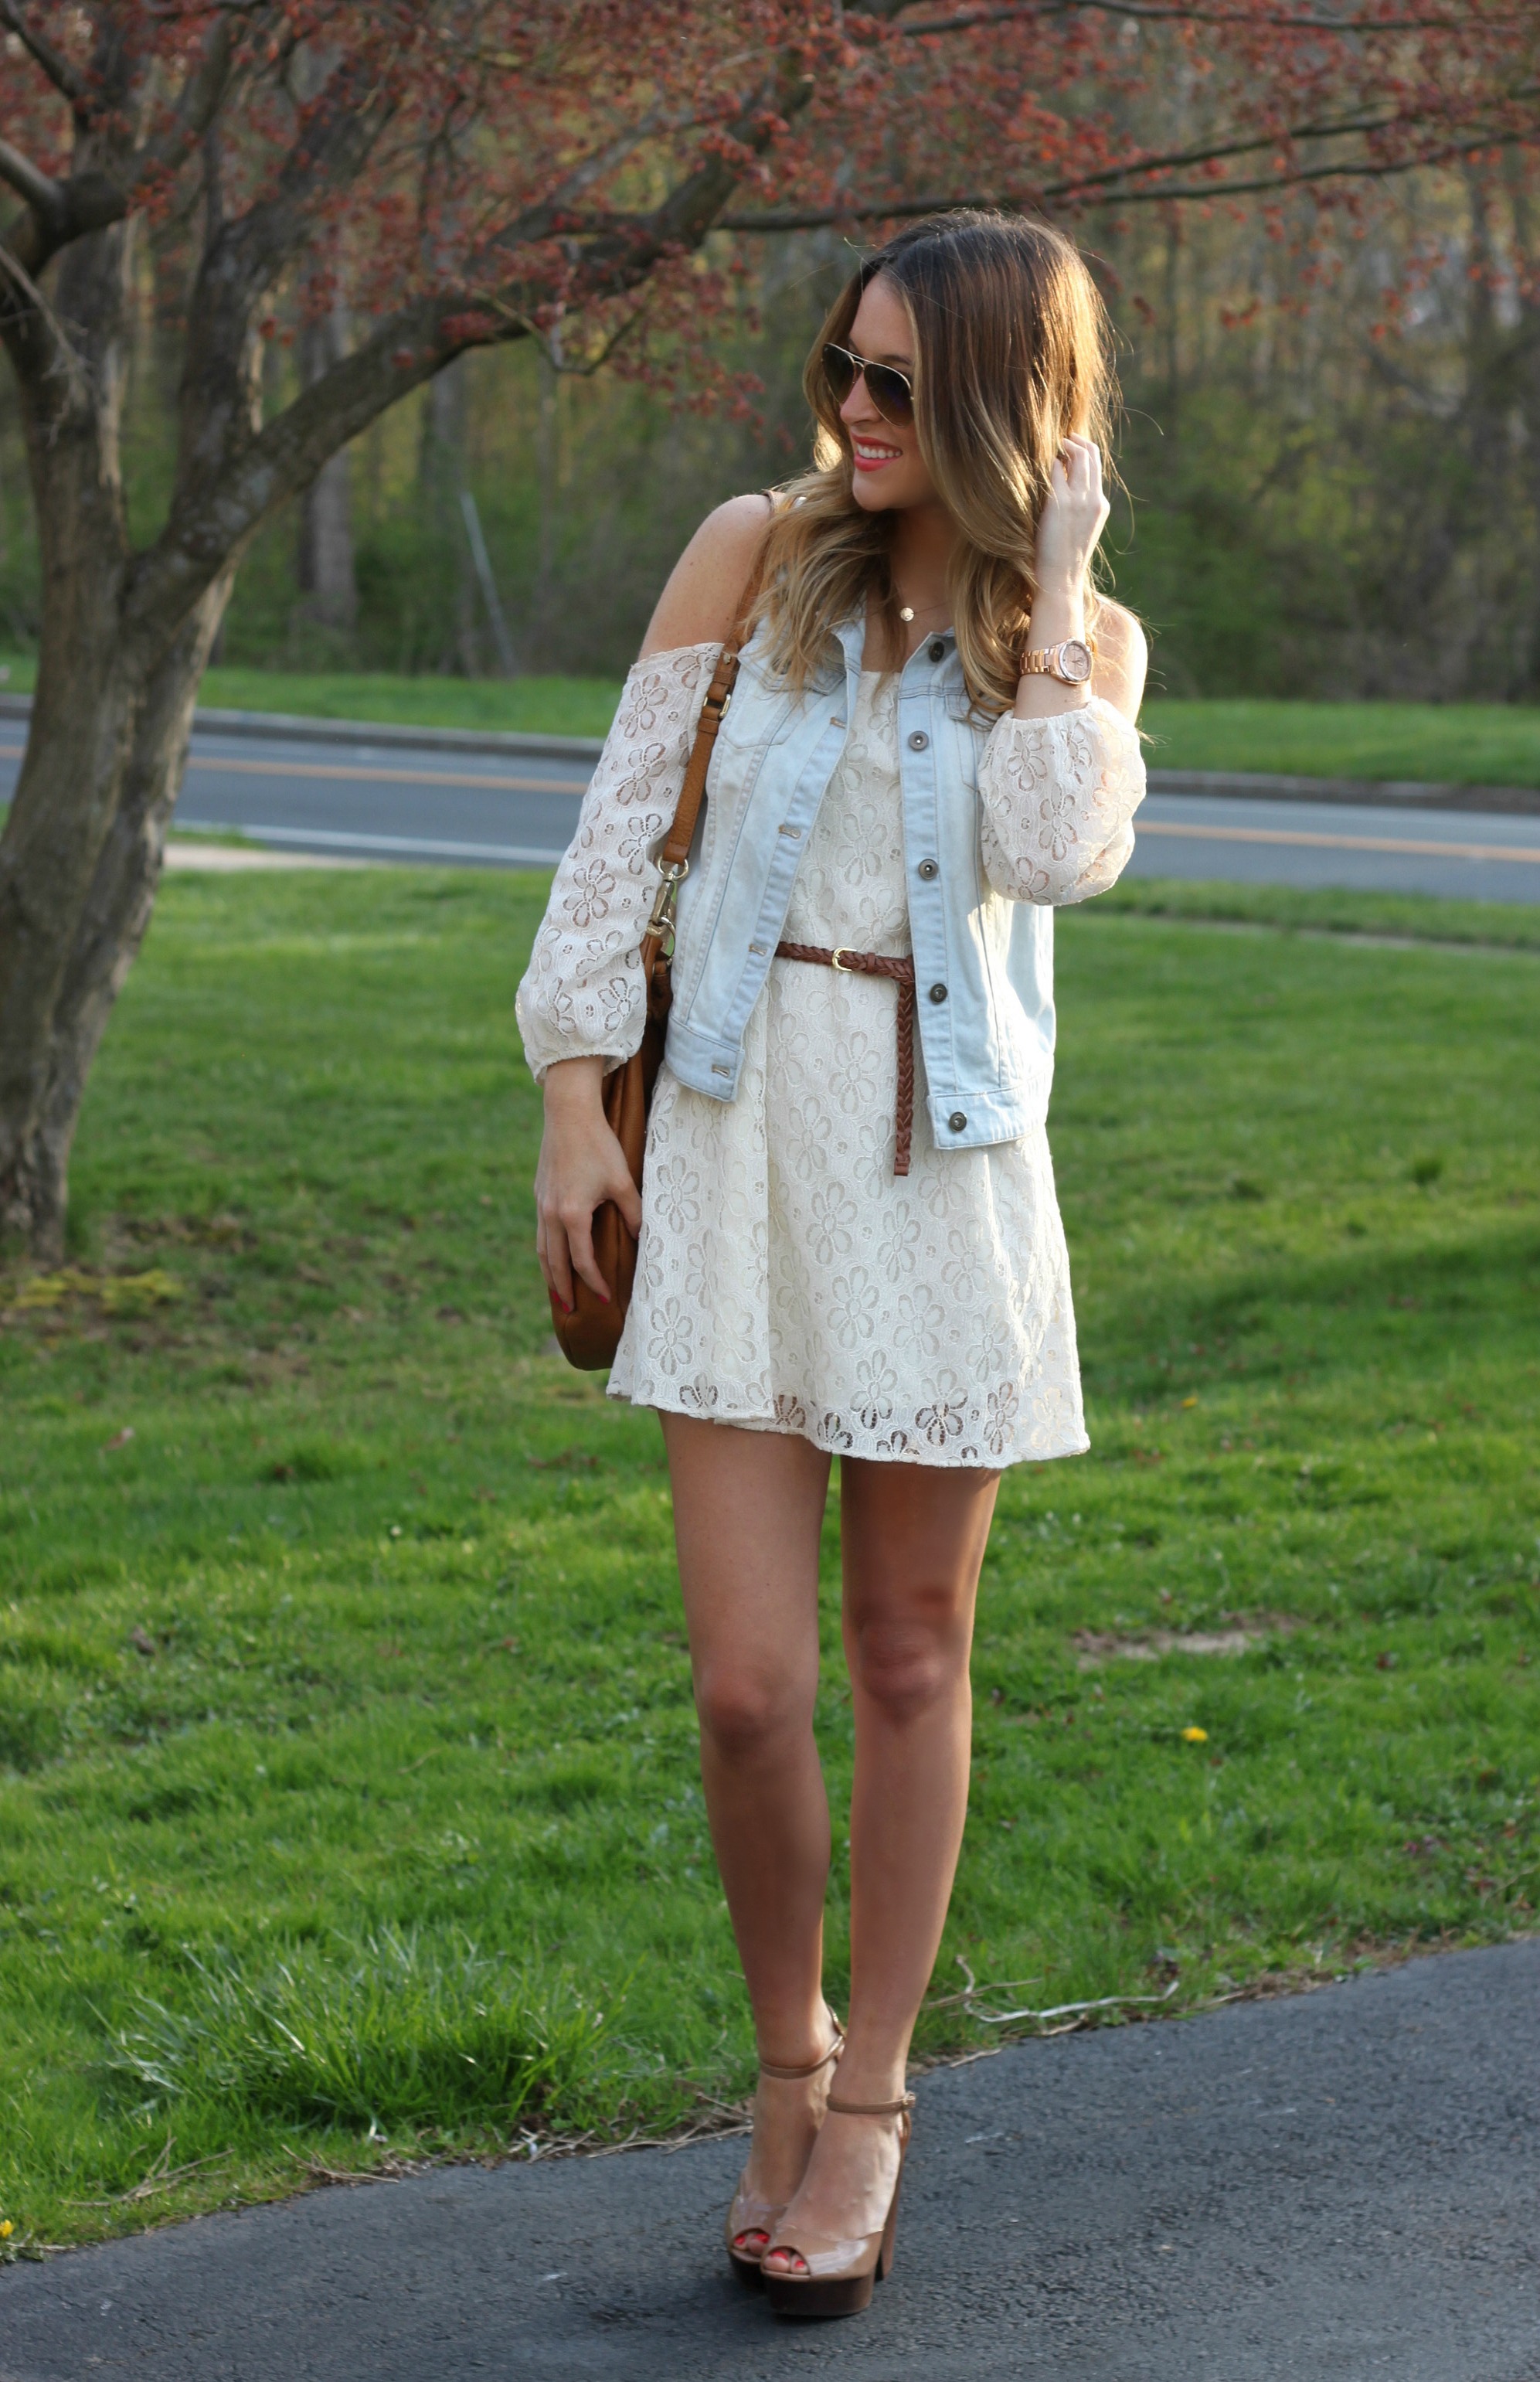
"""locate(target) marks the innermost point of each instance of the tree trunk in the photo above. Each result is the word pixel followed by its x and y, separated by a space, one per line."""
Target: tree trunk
pixel 117 910
pixel 80 855
pixel 83 716
pixel 443 471
pixel 70 946
pixel 1526 244
pixel 326 573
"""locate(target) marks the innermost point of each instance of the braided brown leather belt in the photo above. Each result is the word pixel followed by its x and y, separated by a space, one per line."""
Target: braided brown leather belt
pixel 902 973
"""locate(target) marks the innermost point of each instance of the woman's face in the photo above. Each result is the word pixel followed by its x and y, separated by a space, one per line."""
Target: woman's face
pixel 887 468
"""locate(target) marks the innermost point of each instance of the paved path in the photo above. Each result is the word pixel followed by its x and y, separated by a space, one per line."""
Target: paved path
pixel 334 792
pixel 240 859
pixel 1338 2188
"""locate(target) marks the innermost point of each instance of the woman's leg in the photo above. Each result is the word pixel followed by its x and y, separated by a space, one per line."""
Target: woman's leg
pixel 914 1538
pixel 748 1515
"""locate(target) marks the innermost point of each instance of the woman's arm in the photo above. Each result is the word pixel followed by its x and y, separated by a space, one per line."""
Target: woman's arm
pixel 1122 658
pixel 699 606
pixel 1057 799
pixel 1071 523
pixel 1063 773
pixel 583 1003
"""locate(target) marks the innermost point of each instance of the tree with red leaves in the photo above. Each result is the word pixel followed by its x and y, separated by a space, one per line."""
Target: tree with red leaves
pixel 468 172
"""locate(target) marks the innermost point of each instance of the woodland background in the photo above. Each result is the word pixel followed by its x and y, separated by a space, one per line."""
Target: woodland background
pixel 1330 454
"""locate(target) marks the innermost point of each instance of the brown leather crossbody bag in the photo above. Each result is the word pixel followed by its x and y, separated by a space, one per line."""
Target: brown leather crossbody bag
pixel 590 1334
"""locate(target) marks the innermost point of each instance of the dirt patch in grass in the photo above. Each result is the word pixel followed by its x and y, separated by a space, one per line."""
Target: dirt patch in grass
pixel 1238 1633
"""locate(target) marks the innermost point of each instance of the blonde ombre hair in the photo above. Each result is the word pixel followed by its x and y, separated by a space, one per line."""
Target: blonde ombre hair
pixel 1011 353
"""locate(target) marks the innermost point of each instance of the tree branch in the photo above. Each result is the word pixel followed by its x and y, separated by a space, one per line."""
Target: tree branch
pixel 1030 11
pixel 55 65
pixel 203 95
pixel 1346 169
pixel 248 251
pixel 65 357
pixel 44 196
pixel 215 515
pixel 1103 181
pixel 87 202
pixel 950 203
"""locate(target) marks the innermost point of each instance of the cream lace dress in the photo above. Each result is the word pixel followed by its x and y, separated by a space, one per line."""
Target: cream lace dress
pixel 786 1280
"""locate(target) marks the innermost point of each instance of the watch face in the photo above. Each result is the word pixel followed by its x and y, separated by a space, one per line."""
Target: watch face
pixel 1074 661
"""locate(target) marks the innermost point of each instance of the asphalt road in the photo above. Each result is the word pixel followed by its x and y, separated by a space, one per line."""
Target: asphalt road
pixel 1340 2185
pixel 387 801
pixel 1479 855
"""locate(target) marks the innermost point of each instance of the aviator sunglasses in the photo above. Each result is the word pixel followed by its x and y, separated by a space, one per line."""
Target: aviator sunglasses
pixel 891 391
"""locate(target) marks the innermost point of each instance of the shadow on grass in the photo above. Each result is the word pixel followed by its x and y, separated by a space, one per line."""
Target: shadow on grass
pixel 1428 1307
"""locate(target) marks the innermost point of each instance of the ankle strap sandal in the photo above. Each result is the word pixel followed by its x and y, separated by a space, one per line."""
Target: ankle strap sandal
pixel 840 2272
pixel 751 2221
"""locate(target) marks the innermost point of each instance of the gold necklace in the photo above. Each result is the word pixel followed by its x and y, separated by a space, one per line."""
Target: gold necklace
pixel 906 612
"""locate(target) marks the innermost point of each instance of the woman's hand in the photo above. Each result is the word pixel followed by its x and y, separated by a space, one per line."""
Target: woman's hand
pixel 581 1165
pixel 1074 514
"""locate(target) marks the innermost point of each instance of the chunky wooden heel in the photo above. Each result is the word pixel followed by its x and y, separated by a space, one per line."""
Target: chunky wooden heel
pixel 749 2214
pixel 840 2273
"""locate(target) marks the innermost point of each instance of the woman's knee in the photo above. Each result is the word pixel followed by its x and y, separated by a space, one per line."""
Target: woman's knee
pixel 906 1666
pixel 746 1710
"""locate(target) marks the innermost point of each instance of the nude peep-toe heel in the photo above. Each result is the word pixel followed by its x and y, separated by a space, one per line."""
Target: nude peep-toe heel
pixel 840 2273
pixel 749 2214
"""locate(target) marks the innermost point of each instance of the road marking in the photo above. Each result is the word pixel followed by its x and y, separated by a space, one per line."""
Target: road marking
pixel 1416 847
pixel 515 856
pixel 373 776
pixel 370 776
pixel 1342 842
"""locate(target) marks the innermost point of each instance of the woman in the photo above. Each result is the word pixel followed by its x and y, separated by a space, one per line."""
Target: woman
pixel 919 762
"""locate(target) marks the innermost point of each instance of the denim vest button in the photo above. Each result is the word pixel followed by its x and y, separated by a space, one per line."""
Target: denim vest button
pixel 938 651
pixel 919 741
pixel 929 868
pixel 957 1121
pixel 938 993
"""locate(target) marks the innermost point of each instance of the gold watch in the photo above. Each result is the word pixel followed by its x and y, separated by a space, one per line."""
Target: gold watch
pixel 1069 661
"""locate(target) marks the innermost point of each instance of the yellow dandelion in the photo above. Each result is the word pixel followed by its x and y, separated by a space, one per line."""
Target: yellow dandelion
pixel 1195 1737
pixel 7 2228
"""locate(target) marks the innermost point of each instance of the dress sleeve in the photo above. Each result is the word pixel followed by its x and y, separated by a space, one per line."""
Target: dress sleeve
pixel 582 995
pixel 1057 800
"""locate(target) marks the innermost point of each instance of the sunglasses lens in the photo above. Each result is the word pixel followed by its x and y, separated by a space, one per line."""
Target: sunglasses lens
pixel 885 385
pixel 890 393
pixel 839 371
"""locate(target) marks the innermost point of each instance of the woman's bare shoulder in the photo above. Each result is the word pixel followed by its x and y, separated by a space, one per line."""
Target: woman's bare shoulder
pixel 1122 658
pixel 699 604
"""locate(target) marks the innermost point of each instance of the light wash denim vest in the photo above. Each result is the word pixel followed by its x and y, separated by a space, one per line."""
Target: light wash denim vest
pixel 983 966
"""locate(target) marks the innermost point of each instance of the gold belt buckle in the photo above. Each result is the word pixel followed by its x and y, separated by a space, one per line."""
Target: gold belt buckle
pixel 837 962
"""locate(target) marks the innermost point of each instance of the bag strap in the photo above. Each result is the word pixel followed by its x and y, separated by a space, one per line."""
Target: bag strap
pixel 674 851
pixel 681 835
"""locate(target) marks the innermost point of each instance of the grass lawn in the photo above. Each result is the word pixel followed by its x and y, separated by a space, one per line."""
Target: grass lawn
pixel 348 1806
pixel 1476 743
pixel 548 707
pixel 1465 743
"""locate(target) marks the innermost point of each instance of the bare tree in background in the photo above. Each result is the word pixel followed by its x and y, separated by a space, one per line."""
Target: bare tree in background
pixel 326 575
